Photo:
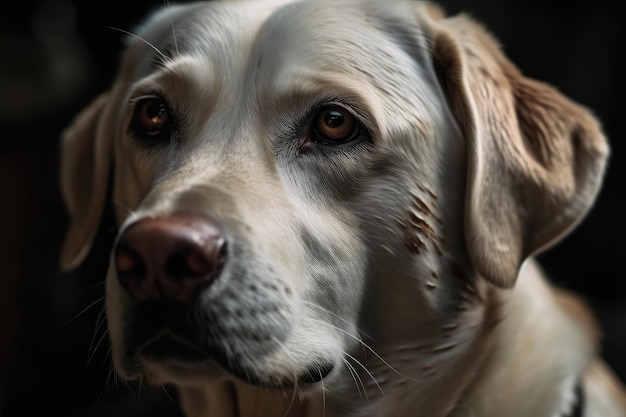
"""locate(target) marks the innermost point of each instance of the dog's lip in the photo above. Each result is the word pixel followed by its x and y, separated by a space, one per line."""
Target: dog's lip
pixel 168 345
pixel 317 373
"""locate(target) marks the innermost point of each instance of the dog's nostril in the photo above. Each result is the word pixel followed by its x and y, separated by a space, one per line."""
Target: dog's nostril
pixel 193 263
pixel 127 261
pixel 186 265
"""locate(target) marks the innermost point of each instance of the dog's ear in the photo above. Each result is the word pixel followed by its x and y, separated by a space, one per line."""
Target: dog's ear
pixel 85 167
pixel 535 159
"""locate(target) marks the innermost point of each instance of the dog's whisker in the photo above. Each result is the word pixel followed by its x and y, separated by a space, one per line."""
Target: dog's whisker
pixel 332 313
pixel 139 388
pixel 106 386
pixel 108 362
pixel 369 348
pixel 357 336
pixel 127 384
pixel 167 4
pixel 114 379
pixel 95 348
pixel 96 285
pixel 127 210
pixel 165 58
pixel 167 394
pixel 323 395
pixel 337 316
pixel 357 380
pixel 76 316
pixel 157 62
pixel 100 321
pixel 110 375
pixel 373 378
pixel 294 395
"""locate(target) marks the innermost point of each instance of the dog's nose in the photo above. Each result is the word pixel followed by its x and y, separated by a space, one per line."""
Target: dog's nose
pixel 169 257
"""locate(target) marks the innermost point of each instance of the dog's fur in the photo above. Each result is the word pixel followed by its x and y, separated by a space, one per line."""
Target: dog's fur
pixel 400 262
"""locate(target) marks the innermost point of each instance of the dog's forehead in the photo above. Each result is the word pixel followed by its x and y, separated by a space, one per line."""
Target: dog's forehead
pixel 357 38
pixel 209 29
pixel 351 35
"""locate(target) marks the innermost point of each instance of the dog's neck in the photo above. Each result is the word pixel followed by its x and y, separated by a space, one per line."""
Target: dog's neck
pixel 498 342
pixel 439 333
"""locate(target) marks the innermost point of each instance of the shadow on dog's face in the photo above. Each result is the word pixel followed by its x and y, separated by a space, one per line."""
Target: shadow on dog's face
pixel 282 172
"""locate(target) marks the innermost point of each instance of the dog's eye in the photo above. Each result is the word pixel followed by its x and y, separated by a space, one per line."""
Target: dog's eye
pixel 335 124
pixel 152 116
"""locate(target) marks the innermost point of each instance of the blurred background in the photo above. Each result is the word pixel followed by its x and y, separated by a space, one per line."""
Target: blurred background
pixel 56 55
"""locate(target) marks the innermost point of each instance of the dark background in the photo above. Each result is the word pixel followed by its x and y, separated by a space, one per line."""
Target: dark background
pixel 55 55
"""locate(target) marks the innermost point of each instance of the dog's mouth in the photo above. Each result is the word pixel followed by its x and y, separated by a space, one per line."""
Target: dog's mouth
pixel 170 338
pixel 168 347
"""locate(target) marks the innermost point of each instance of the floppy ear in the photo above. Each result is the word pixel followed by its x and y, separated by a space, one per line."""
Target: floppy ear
pixel 535 158
pixel 85 167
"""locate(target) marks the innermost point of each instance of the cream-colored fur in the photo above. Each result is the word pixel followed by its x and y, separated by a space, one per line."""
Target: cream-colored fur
pixel 401 259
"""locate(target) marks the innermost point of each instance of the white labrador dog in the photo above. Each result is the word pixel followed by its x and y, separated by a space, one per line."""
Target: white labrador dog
pixel 329 208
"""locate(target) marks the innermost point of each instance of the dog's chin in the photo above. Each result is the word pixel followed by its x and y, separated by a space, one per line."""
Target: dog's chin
pixel 168 359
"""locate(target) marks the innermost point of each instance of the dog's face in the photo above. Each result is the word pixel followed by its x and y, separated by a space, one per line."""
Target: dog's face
pixel 288 175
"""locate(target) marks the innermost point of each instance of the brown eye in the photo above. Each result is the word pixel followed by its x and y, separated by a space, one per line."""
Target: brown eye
pixel 336 124
pixel 152 115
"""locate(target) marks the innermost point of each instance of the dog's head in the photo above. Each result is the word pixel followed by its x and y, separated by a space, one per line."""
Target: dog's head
pixel 272 164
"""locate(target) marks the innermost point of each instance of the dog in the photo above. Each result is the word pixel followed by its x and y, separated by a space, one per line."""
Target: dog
pixel 331 209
